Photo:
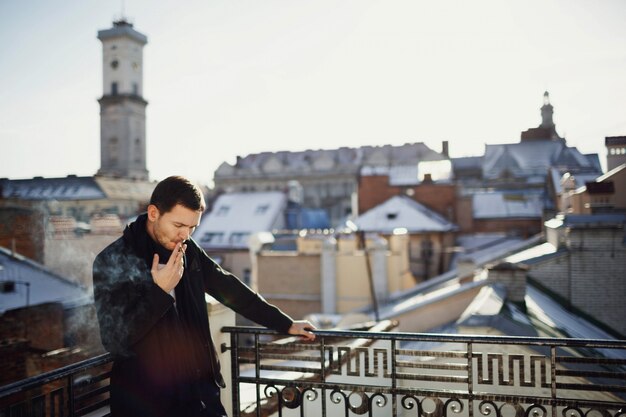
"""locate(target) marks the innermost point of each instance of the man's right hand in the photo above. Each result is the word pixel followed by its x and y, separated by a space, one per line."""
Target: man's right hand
pixel 168 276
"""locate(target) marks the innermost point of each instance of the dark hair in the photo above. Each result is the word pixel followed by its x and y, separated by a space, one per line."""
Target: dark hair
pixel 177 190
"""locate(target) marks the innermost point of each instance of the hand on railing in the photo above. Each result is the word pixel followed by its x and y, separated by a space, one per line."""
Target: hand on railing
pixel 303 329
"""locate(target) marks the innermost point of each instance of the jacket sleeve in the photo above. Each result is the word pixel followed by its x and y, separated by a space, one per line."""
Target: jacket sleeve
pixel 230 291
pixel 127 304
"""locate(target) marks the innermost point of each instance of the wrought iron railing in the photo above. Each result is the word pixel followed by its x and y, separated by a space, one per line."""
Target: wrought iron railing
pixel 349 373
pixel 74 390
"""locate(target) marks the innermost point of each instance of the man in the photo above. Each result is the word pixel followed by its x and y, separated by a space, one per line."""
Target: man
pixel 149 288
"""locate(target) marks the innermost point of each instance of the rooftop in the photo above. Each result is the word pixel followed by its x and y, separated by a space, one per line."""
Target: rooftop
pixel 401 212
pixel 27 283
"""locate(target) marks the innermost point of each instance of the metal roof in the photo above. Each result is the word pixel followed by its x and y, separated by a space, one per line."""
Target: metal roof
pixel 39 188
pixel 329 160
pixel 236 216
pixel 507 204
pixel 526 159
pixel 401 212
pixel 34 284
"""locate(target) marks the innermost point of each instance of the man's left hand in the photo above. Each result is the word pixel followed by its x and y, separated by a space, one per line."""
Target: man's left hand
pixel 302 328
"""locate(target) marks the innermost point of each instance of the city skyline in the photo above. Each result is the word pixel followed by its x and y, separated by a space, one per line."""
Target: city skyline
pixel 227 79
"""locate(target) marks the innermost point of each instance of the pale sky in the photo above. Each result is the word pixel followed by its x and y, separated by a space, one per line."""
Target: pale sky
pixel 227 77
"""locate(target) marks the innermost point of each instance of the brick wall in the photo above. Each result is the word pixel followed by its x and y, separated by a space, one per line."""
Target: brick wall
pixel 553 274
pixel 42 325
pixel 465 214
pixel 521 227
pixel 375 190
pixel 13 353
pixel 296 277
pixel 591 276
pixel 23 229
pixel 598 269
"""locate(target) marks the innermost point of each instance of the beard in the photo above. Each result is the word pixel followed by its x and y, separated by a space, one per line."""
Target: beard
pixel 162 239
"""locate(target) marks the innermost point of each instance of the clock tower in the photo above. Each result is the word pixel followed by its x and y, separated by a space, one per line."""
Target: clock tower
pixel 122 106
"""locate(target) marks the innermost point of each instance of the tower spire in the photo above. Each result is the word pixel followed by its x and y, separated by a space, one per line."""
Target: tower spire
pixel 546 112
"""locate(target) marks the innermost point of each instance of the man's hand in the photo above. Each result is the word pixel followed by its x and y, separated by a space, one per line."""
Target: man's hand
pixel 168 276
pixel 302 328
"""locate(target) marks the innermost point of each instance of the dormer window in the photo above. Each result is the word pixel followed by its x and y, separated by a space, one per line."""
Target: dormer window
pixel 262 209
pixel 222 210
pixel 215 237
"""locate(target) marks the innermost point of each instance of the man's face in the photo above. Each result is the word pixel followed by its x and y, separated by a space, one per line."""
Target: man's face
pixel 172 227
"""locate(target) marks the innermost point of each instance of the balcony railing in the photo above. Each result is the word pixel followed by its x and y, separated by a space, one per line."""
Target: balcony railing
pixel 347 373
pixel 79 389
pixel 350 373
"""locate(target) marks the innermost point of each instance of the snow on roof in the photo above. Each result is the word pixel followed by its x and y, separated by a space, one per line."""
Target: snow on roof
pixel 507 204
pixel 556 177
pixel 343 159
pixel 35 284
pixel 401 212
pixel 481 248
pixel 124 188
pixel 481 255
pixel 538 251
pixel 412 174
pixel 66 188
pixel 403 175
pixel 544 317
pixel 531 158
pixel 466 162
pixel 236 216
pixel 548 311
pixel 586 220
pixel 611 173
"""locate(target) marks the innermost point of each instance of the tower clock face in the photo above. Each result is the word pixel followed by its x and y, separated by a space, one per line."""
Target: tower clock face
pixel 114 64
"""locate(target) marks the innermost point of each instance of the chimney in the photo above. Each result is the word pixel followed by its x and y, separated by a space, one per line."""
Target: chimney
pixel 444 149
pixel 513 277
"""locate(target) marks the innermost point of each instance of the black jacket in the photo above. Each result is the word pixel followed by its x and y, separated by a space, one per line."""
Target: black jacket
pixel 164 358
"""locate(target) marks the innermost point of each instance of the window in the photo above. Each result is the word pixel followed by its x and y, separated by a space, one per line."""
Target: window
pixel 138 151
pixel 113 151
pixel 247 276
pixel 135 89
pixel 426 249
pixel 212 237
pixel 238 237
pixel 262 209
pixel 222 210
pixel 114 88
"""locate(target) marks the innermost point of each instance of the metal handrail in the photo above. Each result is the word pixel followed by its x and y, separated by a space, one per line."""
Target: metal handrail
pixel 59 392
pixel 436 337
pixel 47 377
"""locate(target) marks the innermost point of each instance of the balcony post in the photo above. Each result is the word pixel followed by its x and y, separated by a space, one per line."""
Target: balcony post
pixel 234 372
pixel 470 380
pixel 221 316
pixel 553 377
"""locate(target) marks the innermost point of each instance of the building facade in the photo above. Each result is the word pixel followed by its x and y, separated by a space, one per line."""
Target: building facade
pixel 615 151
pixel 329 178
